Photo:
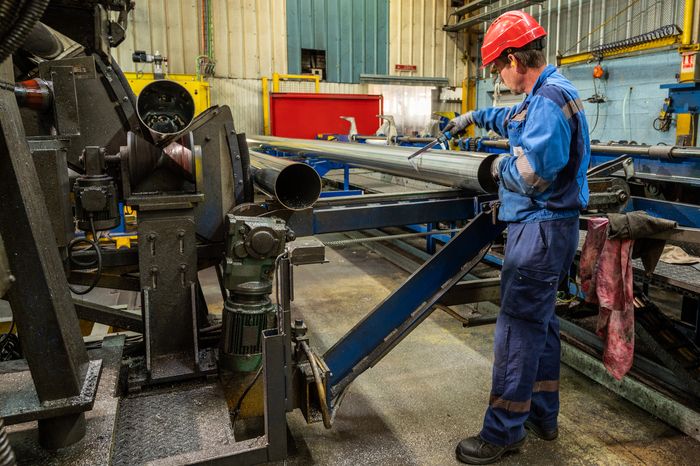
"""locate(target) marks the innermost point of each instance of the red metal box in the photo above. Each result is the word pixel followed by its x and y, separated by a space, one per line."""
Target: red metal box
pixel 298 115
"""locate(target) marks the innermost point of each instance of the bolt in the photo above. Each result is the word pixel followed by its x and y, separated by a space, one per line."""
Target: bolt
pixel 151 237
pixel 183 267
pixel 180 234
pixel 125 99
pixel 154 270
pixel 238 157
pixel 207 138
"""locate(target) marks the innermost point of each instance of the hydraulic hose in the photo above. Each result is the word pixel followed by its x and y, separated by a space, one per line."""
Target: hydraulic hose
pixel 17 20
pixel 319 384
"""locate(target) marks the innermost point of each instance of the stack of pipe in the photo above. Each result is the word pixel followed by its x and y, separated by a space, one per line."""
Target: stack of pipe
pixel 465 170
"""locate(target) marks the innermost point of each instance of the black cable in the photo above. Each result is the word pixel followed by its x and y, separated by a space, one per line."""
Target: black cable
pixel 9 344
pixel 98 274
pixel 98 261
pixel 597 109
pixel 237 409
pixel 597 114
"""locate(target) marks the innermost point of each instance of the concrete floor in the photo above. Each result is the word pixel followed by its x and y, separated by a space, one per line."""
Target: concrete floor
pixel 432 389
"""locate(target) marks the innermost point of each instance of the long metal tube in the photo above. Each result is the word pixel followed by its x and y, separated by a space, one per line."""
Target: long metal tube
pixel 622 149
pixel 466 170
pixel 295 185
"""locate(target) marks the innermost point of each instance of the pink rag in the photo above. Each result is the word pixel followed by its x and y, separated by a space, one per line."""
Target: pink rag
pixel 606 279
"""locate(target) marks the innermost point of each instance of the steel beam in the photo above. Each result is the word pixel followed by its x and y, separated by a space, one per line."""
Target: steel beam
pixel 94 312
pixel 40 300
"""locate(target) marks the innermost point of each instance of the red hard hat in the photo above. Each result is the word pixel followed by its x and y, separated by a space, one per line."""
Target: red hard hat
pixel 513 29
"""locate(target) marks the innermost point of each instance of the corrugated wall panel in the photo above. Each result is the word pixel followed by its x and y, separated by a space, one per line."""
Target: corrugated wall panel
pixel 343 88
pixel 575 26
pixel 250 36
pixel 354 35
pixel 244 96
pixel 416 38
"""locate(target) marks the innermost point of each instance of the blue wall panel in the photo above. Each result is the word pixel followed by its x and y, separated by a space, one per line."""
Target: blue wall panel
pixel 633 96
pixel 293 38
pixel 333 53
pixel 354 34
pixel 632 92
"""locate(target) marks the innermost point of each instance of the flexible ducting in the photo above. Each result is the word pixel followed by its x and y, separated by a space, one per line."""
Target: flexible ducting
pixel 17 20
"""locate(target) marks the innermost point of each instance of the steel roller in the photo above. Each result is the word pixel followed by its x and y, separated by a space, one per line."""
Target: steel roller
pixel 295 185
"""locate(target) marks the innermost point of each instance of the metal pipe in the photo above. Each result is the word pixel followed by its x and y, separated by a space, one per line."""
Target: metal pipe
pixel 656 151
pixel 295 185
pixel 166 108
pixel 465 170
pixel 687 36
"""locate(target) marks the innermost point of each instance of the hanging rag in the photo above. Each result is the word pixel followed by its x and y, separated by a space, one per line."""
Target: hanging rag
pixel 639 225
pixel 607 280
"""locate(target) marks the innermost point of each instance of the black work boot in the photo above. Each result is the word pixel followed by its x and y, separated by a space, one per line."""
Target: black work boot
pixel 539 431
pixel 475 450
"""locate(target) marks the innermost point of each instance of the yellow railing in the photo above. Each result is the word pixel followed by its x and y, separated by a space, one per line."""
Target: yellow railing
pixel 586 57
pixel 276 78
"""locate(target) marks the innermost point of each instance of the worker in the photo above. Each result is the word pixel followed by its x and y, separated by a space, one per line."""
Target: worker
pixel 542 187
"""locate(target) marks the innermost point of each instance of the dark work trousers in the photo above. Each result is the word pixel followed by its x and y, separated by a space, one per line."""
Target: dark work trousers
pixel 525 381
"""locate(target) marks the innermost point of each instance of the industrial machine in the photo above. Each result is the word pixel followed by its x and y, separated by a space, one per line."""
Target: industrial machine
pixel 76 144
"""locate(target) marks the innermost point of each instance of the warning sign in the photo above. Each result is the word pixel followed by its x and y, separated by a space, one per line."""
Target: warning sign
pixel 688 63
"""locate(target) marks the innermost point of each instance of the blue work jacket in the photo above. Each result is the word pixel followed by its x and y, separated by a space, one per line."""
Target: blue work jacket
pixel 544 177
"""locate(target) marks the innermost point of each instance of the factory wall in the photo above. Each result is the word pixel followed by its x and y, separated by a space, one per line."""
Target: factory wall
pixel 633 97
pixel 575 26
pixel 250 36
pixel 244 96
pixel 632 93
pixel 416 38
pixel 354 36
pixel 250 41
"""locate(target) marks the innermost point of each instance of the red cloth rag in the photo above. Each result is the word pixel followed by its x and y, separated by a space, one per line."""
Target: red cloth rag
pixel 606 279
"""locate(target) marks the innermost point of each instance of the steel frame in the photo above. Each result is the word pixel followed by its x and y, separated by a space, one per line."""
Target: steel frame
pixel 40 300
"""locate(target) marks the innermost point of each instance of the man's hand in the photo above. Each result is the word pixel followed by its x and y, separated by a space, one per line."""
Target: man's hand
pixel 496 167
pixel 459 123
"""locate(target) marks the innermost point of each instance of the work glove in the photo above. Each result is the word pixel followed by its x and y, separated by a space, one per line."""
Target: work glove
pixel 496 167
pixel 459 123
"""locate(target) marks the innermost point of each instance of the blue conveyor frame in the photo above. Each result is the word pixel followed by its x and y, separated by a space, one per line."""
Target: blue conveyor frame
pixel 395 317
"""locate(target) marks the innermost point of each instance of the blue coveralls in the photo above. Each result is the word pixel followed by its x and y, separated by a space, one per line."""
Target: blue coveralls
pixel 542 188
